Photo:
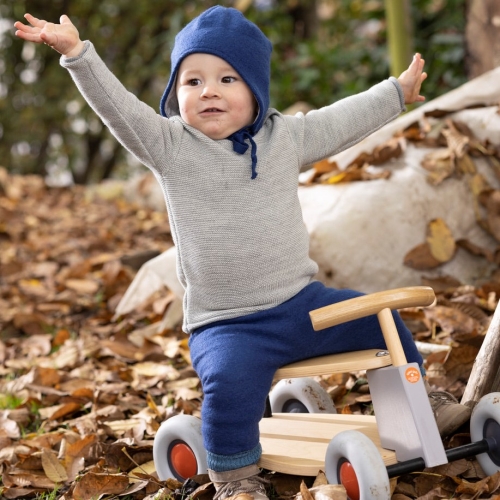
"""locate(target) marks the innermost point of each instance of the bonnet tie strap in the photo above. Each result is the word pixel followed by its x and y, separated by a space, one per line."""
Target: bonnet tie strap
pixel 239 146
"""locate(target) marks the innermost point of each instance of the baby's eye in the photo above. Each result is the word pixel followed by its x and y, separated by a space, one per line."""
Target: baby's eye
pixel 193 82
pixel 228 79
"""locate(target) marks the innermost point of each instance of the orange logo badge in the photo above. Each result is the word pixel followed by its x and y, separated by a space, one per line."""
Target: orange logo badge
pixel 412 375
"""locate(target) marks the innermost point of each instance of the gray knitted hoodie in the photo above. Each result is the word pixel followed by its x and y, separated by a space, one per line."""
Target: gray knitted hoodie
pixel 241 243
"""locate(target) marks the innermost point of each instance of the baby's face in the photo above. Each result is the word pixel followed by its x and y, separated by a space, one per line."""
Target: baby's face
pixel 213 97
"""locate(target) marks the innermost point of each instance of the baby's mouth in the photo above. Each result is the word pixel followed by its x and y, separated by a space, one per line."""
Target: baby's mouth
pixel 212 110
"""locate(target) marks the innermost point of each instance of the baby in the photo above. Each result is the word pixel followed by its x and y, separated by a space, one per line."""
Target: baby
pixel 228 166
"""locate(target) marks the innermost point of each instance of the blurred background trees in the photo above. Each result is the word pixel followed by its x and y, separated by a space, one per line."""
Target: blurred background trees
pixel 323 50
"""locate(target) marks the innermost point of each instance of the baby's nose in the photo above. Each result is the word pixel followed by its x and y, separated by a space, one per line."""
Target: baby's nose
pixel 210 91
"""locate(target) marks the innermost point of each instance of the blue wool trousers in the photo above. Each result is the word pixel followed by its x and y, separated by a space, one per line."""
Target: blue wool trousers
pixel 236 360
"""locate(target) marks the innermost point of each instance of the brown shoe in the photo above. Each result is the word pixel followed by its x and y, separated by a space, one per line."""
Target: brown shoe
pixel 241 484
pixel 449 413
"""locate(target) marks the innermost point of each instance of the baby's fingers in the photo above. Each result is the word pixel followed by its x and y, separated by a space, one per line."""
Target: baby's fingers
pixel 27 32
pixel 34 21
pixel 416 65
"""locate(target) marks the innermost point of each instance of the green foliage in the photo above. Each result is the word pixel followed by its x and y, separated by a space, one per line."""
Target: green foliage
pixel 49 495
pixel 45 124
pixel 10 401
pixel 439 36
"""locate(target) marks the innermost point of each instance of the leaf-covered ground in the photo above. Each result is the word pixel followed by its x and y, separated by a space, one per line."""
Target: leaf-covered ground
pixel 82 393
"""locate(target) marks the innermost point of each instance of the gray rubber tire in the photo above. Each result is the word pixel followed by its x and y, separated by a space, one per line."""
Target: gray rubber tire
pixel 364 457
pixel 184 430
pixel 484 423
pixel 304 390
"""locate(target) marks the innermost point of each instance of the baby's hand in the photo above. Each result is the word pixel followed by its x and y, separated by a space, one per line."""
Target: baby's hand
pixel 411 80
pixel 63 38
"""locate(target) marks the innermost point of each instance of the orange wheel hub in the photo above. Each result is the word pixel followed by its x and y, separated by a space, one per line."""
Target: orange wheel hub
pixel 183 460
pixel 349 480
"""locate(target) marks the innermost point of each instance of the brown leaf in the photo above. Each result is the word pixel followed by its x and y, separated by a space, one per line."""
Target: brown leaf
pixel 440 165
pixel 35 479
pixel 142 471
pixel 87 287
pixel 324 166
pixel 60 337
pixel 81 447
pixel 205 491
pixel 59 411
pixel 492 203
pixel 93 485
pixel 391 149
pixel 441 284
pixel 46 376
pixel 16 493
pixel 441 242
pixel 320 479
pixel 494 483
pixel 304 491
pixel 346 410
pixel 327 492
pixel 475 489
pixel 53 468
pixel 414 132
pixel 405 490
pixel 455 139
pixel 432 486
pixel 421 258
pixel 475 249
pixel 124 349
pixel 455 468
pixel 466 165
pixel 452 320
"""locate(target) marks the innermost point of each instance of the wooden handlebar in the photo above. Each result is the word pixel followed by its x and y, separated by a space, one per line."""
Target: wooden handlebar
pixel 373 303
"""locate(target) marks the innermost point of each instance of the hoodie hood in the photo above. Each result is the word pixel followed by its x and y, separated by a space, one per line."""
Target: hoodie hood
pixel 226 33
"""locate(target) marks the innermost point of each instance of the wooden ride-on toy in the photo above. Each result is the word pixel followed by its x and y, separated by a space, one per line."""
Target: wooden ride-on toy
pixel 359 451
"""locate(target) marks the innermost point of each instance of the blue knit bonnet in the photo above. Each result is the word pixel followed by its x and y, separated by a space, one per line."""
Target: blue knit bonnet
pixel 226 33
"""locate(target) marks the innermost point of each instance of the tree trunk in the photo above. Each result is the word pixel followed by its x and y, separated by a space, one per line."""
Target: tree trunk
pixel 399 34
pixel 305 19
pixel 482 36
pixel 485 374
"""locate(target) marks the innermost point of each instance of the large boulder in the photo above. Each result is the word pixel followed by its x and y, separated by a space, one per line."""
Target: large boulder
pixel 361 232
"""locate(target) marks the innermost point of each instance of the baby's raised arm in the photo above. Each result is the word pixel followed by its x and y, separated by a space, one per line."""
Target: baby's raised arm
pixel 63 38
pixel 139 128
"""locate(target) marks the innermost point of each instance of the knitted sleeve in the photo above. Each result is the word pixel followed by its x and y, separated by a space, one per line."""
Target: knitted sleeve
pixel 142 131
pixel 329 130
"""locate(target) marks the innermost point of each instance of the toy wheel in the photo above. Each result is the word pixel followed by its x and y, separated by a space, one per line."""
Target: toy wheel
pixel 353 461
pixel 485 424
pixel 300 395
pixel 178 448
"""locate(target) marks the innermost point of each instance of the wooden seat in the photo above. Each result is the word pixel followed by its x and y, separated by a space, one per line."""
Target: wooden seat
pixel 336 363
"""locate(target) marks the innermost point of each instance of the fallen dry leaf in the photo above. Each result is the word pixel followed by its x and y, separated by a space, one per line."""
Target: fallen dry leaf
pixel 94 485
pixel 421 258
pixel 441 242
pixel 53 468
